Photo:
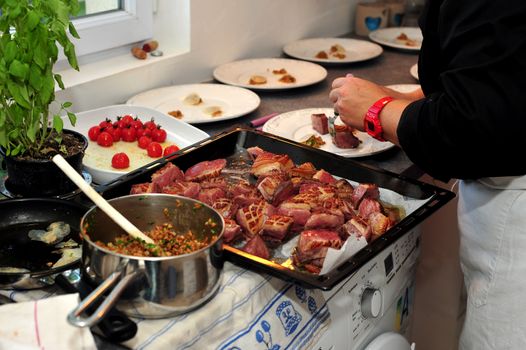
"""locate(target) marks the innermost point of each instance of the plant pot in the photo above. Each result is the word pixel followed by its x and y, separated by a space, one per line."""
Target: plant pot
pixel 41 177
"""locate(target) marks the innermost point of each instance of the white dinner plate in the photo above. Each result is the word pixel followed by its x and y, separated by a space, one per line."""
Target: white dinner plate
pixel 232 101
pixel 388 37
pixel 296 125
pixel 404 87
pixel 97 159
pixel 414 71
pixel 355 50
pixel 239 73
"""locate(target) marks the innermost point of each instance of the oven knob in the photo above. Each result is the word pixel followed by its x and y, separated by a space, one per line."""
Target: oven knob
pixel 371 303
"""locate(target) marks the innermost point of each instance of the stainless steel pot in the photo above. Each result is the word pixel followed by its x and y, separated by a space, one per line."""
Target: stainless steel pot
pixel 150 287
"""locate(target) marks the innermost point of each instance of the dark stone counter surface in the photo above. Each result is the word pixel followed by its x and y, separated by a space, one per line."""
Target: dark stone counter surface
pixel 392 67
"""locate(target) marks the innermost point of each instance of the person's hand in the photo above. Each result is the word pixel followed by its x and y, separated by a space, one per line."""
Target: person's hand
pixel 353 96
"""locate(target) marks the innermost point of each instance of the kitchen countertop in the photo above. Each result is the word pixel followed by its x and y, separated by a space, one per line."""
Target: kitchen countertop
pixel 392 67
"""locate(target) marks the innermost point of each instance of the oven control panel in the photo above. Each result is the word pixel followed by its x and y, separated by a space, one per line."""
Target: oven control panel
pixel 366 299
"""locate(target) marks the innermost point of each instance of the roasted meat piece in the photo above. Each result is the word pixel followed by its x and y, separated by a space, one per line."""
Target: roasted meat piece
pixel 267 162
pixel 183 188
pixel 232 231
pixel 225 207
pixel 324 220
pixel 256 246
pixel 368 206
pixel 275 188
pixel 324 176
pixel 343 137
pixel 146 187
pixel 364 190
pixel 379 224
pixel 205 170
pixel 356 227
pixel 320 123
pixel 275 229
pixel 305 170
pixel 312 248
pixel 210 195
pixel 166 176
pixel 252 217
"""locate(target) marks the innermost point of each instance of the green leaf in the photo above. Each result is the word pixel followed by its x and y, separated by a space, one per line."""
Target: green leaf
pixel 72 118
pixel 19 69
pixel 35 77
pixel 73 31
pixel 69 51
pixel 14 13
pixel 48 90
pixel 58 123
pixel 67 104
pixel 10 52
pixel 32 20
pixel 58 79
pixel 31 132
pixel 19 93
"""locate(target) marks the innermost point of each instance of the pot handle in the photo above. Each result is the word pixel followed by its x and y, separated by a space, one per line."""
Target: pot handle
pixel 75 316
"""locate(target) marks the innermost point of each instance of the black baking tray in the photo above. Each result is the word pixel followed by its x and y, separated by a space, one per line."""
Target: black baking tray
pixel 228 143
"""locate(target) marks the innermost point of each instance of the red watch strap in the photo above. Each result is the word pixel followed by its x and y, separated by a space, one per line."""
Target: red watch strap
pixel 371 122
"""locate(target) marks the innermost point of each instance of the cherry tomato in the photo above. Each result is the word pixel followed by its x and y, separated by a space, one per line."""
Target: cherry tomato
pixel 154 150
pixel 93 133
pixel 159 135
pixel 150 124
pixel 144 141
pixel 120 161
pixel 140 132
pixel 116 123
pixel 105 123
pixel 105 139
pixel 116 133
pixel 129 134
pixel 170 149
pixel 127 119
pixel 136 124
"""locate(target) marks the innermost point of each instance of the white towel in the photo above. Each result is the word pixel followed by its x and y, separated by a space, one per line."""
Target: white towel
pixel 250 311
pixel 41 324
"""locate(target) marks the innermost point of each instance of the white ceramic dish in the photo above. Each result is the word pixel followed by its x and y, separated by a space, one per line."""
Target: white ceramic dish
pixel 239 73
pixel 388 37
pixel 404 87
pixel 296 125
pixel 414 71
pixel 232 101
pixel 355 50
pixel 97 160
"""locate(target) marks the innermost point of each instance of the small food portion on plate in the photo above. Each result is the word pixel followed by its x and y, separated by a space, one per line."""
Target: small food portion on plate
pixel 257 80
pixel 310 125
pixel 200 103
pixel 333 50
pixel 405 38
pixel 336 51
pixel 270 73
pixel 193 99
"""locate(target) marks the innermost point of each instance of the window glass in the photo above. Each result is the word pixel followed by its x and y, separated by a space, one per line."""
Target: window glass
pixel 94 7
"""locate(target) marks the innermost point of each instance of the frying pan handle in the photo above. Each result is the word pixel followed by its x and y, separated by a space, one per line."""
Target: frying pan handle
pixel 76 318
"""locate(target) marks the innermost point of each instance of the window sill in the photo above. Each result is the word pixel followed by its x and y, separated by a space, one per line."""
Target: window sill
pixel 112 66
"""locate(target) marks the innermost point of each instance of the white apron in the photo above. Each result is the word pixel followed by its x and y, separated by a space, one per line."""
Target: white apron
pixel 492 222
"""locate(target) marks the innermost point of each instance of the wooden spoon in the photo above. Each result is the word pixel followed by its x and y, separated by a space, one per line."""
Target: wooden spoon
pixel 99 200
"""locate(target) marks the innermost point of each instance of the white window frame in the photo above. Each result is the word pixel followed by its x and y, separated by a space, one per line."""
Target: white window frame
pixel 114 29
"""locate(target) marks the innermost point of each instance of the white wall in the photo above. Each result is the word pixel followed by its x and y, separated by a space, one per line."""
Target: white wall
pixel 220 32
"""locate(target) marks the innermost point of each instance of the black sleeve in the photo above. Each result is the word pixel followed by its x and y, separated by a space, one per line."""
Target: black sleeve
pixel 473 72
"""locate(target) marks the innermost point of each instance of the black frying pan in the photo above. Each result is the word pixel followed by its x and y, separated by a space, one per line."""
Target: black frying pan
pixel 17 218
